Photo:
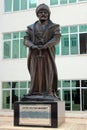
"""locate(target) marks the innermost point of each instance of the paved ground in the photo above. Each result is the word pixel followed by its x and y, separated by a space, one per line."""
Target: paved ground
pixel 6 123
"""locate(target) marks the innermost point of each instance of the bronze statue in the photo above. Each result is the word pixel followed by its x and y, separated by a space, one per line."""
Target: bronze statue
pixel 41 38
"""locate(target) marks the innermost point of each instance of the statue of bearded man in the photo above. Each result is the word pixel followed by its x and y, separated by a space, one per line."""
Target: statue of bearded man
pixel 41 38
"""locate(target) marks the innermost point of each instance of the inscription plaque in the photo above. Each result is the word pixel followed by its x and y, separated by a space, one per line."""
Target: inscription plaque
pixel 35 114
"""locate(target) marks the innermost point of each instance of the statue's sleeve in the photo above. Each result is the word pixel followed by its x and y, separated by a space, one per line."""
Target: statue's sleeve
pixel 55 38
pixel 27 39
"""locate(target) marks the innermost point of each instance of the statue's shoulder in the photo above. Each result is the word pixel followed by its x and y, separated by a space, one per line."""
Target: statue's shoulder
pixel 51 24
pixel 32 25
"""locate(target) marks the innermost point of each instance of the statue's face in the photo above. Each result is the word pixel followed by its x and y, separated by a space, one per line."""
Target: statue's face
pixel 43 15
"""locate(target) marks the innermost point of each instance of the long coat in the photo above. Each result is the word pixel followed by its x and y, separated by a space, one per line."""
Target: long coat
pixel 41 61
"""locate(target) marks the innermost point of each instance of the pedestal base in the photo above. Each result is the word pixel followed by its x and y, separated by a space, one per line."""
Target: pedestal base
pixel 39 113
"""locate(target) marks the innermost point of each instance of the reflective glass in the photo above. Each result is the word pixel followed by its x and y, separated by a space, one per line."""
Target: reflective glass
pixel 23 49
pixel 23 4
pixel 32 3
pixel 76 99
pixel 7 49
pixel 66 98
pixel 83 28
pixel 75 83
pixel 6 99
pixel 66 83
pixel 15 49
pixel 53 2
pixel 8 5
pixel 23 84
pixel 74 43
pixel 73 29
pixel 84 83
pixel 15 5
pixel 65 45
pixel 63 1
pixel 72 1
pixel 64 29
pixel 6 85
pixel 7 36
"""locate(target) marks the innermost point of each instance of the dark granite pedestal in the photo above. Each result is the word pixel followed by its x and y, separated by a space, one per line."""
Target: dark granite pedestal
pixel 39 111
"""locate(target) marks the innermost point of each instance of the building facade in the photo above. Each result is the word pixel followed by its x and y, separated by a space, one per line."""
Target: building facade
pixel 71 53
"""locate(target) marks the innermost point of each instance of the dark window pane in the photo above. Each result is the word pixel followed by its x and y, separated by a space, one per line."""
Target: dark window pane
pixel 76 99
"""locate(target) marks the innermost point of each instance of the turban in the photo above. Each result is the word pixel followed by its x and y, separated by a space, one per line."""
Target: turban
pixel 42 6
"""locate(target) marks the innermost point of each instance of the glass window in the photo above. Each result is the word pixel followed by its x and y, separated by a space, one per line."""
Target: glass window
pixel 7 36
pixel 73 29
pixel 7 49
pixel 22 34
pixel 53 2
pixel 23 84
pixel 83 28
pixel 66 83
pixel 63 1
pixel 6 85
pixel 66 98
pixel 75 83
pixel 8 5
pixel 23 92
pixel 57 49
pixel 64 29
pixel 74 43
pixel 32 3
pixel 65 45
pixel 15 35
pixel 23 4
pixel 15 49
pixel 23 49
pixel 6 99
pixel 84 83
pixel 76 99
pixel 15 5
pixel 84 99
pixel 72 1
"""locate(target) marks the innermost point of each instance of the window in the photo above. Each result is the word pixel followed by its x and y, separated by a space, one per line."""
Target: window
pixel 63 1
pixel 72 1
pixel 23 4
pixel 83 43
pixel 15 5
pixel 65 45
pixel 32 3
pixel 13 91
pixel 53 2
pixel 74 43
pixel 13 45
pixel 8 5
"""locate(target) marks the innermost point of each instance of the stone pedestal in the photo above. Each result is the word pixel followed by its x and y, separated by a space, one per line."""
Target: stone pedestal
pixel 39 113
